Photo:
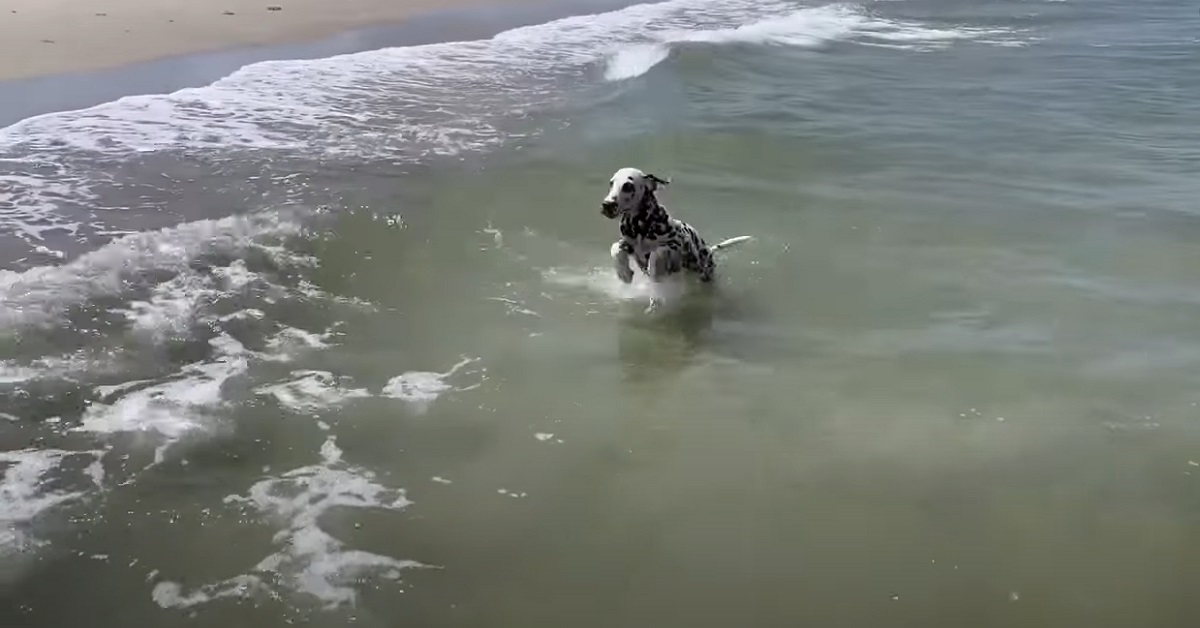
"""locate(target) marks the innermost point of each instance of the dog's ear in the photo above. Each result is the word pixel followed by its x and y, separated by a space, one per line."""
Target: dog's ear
pixel 657 180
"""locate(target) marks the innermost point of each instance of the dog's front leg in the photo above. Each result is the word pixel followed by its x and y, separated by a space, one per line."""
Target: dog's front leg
pixel 620 252
pixel 663 262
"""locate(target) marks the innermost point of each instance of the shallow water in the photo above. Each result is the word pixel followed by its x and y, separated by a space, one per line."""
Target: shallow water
pixel 337 341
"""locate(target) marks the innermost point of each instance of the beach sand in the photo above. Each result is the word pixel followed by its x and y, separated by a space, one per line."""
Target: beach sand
pixel 42 37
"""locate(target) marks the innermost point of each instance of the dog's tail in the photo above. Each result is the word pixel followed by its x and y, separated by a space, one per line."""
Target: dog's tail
pixel 724 244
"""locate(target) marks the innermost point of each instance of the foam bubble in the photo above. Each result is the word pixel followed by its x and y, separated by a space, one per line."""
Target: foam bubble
pixel 170 594
pixel 309 391
pixel 289 340
pixel 309 560
pixel 421 388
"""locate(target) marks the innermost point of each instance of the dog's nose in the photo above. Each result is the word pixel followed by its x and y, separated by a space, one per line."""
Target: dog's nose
pixel 608 205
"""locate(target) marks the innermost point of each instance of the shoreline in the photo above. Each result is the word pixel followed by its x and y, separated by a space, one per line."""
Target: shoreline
pixel 58 38
pixel 83 86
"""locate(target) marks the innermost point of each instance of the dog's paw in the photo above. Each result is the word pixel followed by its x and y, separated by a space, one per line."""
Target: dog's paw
pixel 625 275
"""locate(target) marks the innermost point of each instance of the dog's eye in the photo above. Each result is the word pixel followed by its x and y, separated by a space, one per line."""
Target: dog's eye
pixel 627 188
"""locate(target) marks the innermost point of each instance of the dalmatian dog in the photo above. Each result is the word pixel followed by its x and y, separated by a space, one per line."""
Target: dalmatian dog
pixel 660 245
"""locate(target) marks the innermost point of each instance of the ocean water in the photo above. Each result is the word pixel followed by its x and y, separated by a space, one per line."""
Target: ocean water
pixel 337 342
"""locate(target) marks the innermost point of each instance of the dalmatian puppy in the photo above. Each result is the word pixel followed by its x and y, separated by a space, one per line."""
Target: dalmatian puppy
pixel 661 245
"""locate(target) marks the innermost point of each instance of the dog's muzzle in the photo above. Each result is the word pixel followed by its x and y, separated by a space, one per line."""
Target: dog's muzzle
pixel 609 209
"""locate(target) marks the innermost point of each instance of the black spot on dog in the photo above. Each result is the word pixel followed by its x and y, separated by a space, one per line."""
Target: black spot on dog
pixel 650 227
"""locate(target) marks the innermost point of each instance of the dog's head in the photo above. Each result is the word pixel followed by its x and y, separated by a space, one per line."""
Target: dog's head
pixel 628 192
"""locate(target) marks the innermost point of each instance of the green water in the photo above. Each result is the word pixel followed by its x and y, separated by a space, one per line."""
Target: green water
pixel 951 382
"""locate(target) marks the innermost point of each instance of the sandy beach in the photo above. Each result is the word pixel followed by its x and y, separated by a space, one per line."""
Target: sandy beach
pixel 42 37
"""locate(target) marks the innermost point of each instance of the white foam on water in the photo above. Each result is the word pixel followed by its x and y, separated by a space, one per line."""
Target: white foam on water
pixel 174 268
pixel 68 366
pixel 252 313
pixel 170 291
pixel 309 391
pixel 170 594
pixel 14 374
pixel 635 60
pixel 309 561
pixel 165 412
pixel 30 190
pixel 42 294
pixel 166 287
pixel 421 388
pixel 288 341
pixel 95 471
pixel 515 307
pixel 184 404
pixel 22 496
pixel 172 305
pixel 811 27
pixel 804 28
pixel 24 492
pixel 604 281
pixel 107 391
pixel 819 25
